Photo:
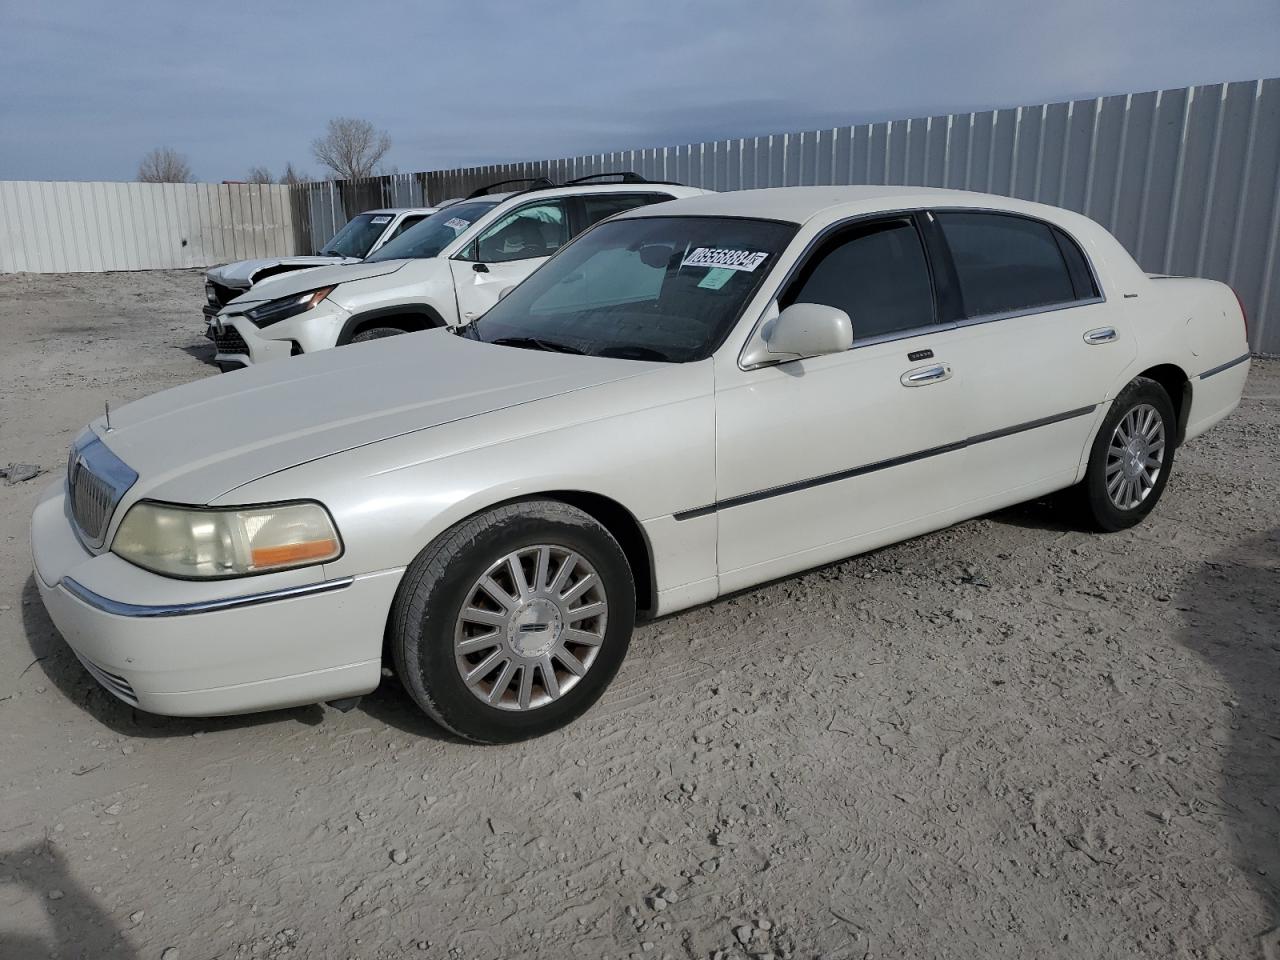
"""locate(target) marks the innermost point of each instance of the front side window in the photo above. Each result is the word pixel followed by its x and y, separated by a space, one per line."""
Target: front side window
pixel 645 288
pixel 405 224
pixel 428 238
pixel 1006 263
pixel 876 273
pixel 357 237
pixel 535 230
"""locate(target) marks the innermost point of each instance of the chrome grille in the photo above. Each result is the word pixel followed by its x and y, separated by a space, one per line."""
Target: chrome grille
pixel 96 480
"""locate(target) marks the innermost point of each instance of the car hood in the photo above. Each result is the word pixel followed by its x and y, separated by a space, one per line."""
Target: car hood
pixel 243 273
pixel 287 284
pixel 199 441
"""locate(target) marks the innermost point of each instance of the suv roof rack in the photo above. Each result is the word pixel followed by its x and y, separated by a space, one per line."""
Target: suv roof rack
pixel 624 176
pixel 535 183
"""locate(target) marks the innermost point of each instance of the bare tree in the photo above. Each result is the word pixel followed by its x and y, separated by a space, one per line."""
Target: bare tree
pixel 164 165
pixel 351 148
pixel 259 175
pixel 292 175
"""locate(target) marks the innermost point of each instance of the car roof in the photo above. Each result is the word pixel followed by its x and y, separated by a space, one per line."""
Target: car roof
pixel 573 190
pixel 399 210
pixel 800 204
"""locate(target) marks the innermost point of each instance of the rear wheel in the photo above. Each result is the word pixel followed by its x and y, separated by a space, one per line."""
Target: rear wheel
pixel 1131 457
pixel 513 623
pixel 376 333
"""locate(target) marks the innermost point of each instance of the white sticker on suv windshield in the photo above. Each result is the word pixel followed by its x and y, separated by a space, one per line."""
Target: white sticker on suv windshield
pixel 380 220
pixel 457 223
pixel 724 259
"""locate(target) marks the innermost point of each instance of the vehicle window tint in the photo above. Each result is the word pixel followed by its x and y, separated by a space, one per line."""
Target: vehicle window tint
pixel 1082 280
pixel 1005 263
pixel 404 225
pixel 601 206
pixel 536 230
pixel 876 273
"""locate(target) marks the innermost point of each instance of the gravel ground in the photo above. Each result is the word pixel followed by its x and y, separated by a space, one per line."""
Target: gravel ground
pixel 1006 739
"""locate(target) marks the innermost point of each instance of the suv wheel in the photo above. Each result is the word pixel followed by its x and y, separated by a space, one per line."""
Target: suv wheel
pixel 376 333
pixel 513 622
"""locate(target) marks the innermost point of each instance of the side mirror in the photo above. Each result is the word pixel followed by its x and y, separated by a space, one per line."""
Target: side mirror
pixel 807 330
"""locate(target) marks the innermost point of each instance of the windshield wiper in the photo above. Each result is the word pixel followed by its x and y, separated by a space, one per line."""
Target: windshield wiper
pixel 537 343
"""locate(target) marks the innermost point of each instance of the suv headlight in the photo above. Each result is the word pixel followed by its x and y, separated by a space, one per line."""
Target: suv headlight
pixel 214 542
pixel 273 311
pixel 211 294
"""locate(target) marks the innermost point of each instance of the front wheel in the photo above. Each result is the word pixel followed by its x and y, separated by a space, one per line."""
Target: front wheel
pixel 376 333
pixel 1131 457
pixel 513 622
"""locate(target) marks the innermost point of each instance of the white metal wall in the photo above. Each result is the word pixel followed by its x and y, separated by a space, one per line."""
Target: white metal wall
pixel 56 227
pixel 1187 179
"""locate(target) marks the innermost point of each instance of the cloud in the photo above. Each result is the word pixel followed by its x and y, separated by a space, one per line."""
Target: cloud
pixel 89 88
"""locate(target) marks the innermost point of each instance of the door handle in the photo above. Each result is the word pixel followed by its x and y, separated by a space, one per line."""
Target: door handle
pixel 1101 335
pixel 923 376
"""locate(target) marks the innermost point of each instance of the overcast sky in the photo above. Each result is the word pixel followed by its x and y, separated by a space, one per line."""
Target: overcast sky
pixel 86 87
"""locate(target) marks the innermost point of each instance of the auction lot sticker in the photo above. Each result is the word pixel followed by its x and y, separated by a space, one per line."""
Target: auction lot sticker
pixel 724 259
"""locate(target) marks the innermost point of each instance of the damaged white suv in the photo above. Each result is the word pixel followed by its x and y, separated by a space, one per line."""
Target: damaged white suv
pixel 447 270
pixel 362 235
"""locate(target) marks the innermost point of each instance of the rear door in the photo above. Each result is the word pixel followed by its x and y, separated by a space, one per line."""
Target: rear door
pixel 506 252
pixel 1047 343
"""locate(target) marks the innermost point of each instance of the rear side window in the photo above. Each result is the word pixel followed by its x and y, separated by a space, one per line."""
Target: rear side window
pixel 1007 264
pixel 876 273
pixel 601 206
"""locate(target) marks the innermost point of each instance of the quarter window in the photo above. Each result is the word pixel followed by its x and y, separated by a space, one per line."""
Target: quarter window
pixel 536 230
pixel 1007 264
pixel 876 273
pixel 601 206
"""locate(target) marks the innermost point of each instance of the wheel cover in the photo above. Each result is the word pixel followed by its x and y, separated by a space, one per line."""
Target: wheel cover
pixel 530 627
pixel 1135 456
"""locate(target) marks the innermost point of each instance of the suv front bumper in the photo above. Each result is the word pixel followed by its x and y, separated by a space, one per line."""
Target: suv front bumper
pixel 240 342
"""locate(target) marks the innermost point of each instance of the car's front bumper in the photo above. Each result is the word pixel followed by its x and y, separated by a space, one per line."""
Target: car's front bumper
pixel 209 648
pixel 239 341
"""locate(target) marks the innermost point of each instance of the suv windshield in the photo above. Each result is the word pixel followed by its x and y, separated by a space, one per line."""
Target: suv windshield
pixel 360 233
pixel 436 232
pixel 648 288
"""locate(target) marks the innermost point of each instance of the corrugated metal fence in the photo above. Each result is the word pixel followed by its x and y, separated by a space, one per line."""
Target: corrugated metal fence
pixel 56 227
pixel 1187 179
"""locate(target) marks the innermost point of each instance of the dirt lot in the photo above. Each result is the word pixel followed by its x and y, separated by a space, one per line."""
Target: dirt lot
pixel 1007 739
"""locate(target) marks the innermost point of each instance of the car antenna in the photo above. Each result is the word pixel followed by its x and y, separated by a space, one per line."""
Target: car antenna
pixel 107 404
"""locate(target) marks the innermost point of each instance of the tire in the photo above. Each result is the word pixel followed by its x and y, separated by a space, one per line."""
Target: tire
pixel 428 622
pixel 1105 499
pixel 376 333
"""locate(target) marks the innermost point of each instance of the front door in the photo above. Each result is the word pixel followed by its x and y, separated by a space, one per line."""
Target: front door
pixel 822 458
pixel 507 252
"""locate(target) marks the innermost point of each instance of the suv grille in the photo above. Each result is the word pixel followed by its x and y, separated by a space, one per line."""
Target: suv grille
pixel 223 294
pixel 96 480
pixel 229 340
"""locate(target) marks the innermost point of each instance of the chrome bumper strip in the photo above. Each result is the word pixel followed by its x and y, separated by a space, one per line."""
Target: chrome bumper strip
pixel 121 609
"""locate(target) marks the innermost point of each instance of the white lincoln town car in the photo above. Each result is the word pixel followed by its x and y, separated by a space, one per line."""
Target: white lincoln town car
pixel 689 399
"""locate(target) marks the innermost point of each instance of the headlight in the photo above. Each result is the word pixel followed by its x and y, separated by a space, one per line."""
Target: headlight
pixel 211 294
pixel 211 542
pixel 273 311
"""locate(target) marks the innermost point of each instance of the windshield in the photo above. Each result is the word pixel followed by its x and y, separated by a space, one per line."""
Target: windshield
pixel 433 234
pixel 649 288
pixel 360 233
